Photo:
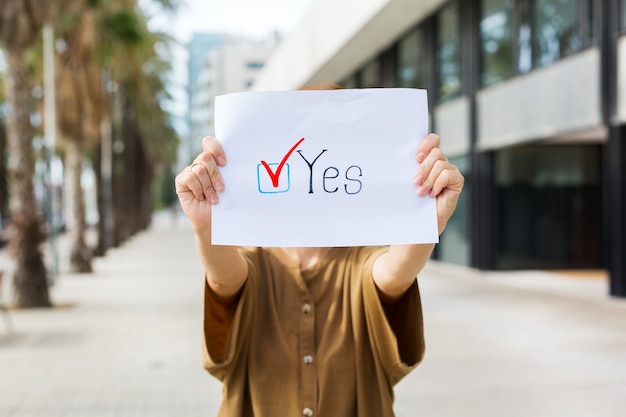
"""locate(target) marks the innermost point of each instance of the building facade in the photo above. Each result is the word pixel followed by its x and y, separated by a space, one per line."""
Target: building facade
pixel 198 48
pixel 228 68
pixel 529 97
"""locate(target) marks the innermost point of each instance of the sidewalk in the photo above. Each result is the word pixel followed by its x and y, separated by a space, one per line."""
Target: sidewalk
pixel 125 341
pixel 517 344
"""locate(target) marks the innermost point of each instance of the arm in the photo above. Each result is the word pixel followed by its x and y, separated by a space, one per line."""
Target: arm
pixel 395 271
pixel 197 187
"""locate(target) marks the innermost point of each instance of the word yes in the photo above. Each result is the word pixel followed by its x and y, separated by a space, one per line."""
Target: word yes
pixel 351 174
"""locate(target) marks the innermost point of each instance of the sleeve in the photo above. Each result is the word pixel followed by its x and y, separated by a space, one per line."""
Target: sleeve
pixel 226 327
pixel 396 330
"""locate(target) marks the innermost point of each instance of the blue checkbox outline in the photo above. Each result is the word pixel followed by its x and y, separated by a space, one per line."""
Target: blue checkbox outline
pixel 260 169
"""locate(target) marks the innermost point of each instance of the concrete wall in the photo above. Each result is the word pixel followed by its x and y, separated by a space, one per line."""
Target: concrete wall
pixel 336 38
pixel 452 122
pixel 558 100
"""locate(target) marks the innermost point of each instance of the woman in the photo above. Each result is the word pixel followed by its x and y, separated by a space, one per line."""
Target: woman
pixel 311 331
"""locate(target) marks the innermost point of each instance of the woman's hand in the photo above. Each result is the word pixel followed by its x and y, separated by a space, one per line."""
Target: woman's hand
pixel 198 185
pixel 437 177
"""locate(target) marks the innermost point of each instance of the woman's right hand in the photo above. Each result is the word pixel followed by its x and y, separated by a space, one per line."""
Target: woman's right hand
pixel 198 185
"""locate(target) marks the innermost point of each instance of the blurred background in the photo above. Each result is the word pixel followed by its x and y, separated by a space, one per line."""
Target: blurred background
pixel 528 96
pixel 103 102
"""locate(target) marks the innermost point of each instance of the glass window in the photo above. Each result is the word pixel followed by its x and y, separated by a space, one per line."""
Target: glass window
pixel 350 82
pixel 524 42
pixel 454 245
pixel 555 30
pixel 496 35
pixel 371 75
pixel 589 31
pixel 449 51
pixel 550 206
pixel 410 72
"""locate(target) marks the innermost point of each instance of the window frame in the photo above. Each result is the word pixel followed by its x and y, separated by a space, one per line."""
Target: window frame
pixel 420 31
pixel 582 29
pixel 373 63
pixel 523 17
pixel 514 67
pixel 437 34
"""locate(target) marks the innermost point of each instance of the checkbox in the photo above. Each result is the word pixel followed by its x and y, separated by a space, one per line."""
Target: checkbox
pixel 265 181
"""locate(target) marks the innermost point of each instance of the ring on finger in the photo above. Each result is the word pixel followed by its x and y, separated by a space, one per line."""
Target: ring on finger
pixel 193 165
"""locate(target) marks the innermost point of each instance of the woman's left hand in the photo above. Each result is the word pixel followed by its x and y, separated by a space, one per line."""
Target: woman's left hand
pixel 438 178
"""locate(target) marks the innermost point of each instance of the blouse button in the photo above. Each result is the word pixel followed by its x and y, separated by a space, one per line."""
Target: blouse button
pixel 307 412
pixel 306 309
pixel 308 359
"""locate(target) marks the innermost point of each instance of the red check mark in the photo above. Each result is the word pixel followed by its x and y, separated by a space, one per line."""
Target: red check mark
pixel 275 175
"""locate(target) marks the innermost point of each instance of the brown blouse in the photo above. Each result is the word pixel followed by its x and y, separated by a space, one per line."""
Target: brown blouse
pixel 317 342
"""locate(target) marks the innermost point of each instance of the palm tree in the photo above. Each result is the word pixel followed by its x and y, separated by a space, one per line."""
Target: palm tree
pixel 20 25
pixel 149 139
pixel 80 95
pixel 125 38
pixel 3 178
pixel 109 38
pixel 4 207
pixel 143 137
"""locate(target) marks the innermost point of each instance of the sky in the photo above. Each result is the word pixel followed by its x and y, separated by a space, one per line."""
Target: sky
pixel 257 19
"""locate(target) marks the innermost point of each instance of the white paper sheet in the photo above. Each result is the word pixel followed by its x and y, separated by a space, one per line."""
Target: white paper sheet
pixel 322 168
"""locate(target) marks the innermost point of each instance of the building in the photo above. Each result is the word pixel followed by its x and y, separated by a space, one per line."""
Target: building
pixel 198 48
pixel 228 68
pixel 529 97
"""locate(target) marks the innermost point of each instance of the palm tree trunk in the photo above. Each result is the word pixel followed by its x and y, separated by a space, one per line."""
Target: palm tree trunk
pixel 80 253
pixel 4 201
pixel 30 278
pixel 100 248
pixel 102 163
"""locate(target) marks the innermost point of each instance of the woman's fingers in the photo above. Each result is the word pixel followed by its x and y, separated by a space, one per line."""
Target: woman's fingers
pixel 429 143
pixel 205 178
pixel 214 147
pixel 191 181
pixel 430 168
